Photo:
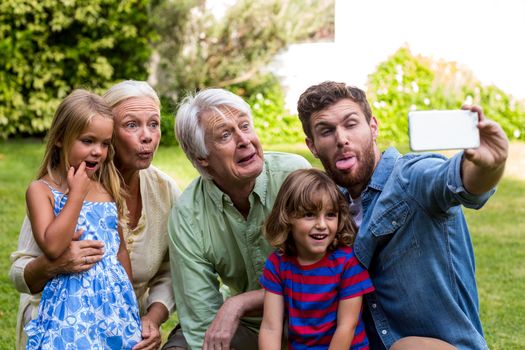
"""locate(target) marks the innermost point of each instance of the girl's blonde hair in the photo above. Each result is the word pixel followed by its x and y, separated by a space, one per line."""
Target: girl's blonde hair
pixel 303 191
pixel 72 117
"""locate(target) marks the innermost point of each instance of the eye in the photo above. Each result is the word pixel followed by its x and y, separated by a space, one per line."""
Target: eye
pixel 154 125
pixel 131 125
pixel 350 124
pixel 106 144
pixel 325 131
pixel 245 126
pixel 225 135
pixel 309 214
pixel 332 214
pixel 86 141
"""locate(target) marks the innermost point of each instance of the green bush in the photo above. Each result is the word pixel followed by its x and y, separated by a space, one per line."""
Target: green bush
pixel 406 82
pixel 48 48
pixel 167 122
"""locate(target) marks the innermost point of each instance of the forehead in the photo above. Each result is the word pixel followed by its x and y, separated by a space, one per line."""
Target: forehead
pixel 99 125
pixel 340 109
pixel 135 106
pixel 224 115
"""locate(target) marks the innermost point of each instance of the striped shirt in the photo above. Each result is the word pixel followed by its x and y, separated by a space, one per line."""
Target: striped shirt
pixel 312 293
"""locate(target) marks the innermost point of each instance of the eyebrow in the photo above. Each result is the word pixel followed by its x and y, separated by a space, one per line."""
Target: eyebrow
pixel 349 115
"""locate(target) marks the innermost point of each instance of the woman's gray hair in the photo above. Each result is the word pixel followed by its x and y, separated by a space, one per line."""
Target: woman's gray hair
pixel 188 128
pixel 127 89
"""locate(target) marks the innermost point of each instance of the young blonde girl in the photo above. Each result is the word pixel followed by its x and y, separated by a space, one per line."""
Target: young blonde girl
pixel 313 280
pixel 78 189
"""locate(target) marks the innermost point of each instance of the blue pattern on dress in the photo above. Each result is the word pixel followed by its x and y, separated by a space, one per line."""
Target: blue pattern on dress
pixel 95 309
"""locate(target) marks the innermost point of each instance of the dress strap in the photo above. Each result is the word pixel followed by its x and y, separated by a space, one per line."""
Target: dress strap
pixel 50 187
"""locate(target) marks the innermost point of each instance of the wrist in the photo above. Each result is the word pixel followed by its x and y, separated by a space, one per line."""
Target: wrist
pixel 157 314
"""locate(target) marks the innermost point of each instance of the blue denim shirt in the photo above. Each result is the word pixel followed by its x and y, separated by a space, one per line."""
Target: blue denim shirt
pixel 415 242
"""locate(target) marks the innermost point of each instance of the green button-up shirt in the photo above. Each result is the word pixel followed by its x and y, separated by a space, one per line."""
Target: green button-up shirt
pixel 210 239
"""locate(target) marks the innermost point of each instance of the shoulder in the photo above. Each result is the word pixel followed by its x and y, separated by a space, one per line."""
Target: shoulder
pixel 414 162
pixel 192 195
pixel 343 252
pixel 38 188
pixel 158 181
pixel 286 162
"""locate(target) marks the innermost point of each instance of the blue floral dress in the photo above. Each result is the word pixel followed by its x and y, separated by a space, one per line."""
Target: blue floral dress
pixel 95 309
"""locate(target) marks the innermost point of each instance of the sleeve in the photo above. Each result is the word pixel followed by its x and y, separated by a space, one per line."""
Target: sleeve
pixel 26 252
pixel 435 183
pixel 355 280
pixel 270 279
pixel 161 286
pixel 195 281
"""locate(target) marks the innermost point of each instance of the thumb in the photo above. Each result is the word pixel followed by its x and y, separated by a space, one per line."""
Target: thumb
pixel 77 234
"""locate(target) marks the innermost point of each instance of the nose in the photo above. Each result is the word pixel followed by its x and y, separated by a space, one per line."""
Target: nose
pixel 145 136
pixel 243 139
pixel 320 223
pixel 341 137
pixel 96 150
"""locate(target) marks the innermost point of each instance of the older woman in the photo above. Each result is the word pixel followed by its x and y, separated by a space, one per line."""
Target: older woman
pixel 151 194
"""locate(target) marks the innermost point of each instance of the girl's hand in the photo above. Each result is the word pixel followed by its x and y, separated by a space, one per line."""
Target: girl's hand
pixel 78 181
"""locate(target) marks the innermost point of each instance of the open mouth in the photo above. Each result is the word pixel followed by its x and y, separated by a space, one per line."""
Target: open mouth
pixel 319 236
pixel 346 163
pixel 91 165
pixel 246 159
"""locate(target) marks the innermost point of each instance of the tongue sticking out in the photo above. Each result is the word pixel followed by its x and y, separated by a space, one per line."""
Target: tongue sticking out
pixel 345 164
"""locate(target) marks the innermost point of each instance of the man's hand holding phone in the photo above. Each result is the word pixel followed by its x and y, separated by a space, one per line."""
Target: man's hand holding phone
pixel 443 129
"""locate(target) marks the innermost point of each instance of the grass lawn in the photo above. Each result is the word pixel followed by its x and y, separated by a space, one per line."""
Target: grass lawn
pixel 497 232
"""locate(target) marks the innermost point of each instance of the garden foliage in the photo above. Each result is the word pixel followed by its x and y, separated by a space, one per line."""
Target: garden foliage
pixel 49 47
pixel 406 82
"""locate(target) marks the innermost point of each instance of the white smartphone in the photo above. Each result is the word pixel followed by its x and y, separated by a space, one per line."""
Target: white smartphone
pixel 445 129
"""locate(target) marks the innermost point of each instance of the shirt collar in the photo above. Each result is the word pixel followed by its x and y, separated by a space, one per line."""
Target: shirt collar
pixel 218 197
pixel 384 168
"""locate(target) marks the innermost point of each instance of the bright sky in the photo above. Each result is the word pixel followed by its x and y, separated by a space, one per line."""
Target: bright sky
pixel 487 36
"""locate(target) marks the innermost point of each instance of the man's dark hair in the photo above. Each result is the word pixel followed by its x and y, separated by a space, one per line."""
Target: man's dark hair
pixel 326 94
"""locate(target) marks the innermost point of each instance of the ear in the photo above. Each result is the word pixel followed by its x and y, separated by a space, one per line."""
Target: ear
pixel 203 162
pixel 374 126
pixel 311 146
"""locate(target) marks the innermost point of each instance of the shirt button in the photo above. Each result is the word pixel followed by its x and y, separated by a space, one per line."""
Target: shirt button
pixel 394 223
pixel 130 240
pixel 374 306
pixel 384 332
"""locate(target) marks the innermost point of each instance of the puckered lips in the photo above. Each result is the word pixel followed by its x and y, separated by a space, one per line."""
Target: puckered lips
pixel 145 154
pixel 345 161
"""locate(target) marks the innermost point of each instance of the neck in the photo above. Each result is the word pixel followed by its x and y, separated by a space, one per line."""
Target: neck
pixel 130 178
pixel 239 194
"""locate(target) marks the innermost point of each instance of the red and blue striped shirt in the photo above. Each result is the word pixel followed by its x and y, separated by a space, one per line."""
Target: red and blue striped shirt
pixel 312 293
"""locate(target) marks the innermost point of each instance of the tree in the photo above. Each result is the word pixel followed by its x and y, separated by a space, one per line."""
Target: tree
pixel 49 47
pixel 198 50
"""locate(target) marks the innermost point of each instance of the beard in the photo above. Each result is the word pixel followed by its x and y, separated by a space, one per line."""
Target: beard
pixel 359 175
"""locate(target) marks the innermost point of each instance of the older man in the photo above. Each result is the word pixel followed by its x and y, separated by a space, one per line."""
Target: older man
pixel 413 236
pixel 215 228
